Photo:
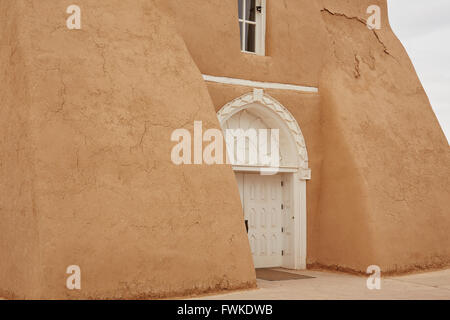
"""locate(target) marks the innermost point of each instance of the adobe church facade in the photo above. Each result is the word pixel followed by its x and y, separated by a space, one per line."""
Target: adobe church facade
pixel 87 116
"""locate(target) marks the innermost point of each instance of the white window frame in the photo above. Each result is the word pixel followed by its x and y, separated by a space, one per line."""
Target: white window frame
pixel 260 28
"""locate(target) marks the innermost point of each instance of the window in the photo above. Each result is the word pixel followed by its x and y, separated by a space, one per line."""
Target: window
pixel 252 25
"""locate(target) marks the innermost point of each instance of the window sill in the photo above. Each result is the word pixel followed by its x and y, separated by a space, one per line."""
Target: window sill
pixel 253 53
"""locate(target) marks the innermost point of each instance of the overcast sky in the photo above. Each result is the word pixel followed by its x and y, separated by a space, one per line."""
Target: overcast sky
pixel 423 26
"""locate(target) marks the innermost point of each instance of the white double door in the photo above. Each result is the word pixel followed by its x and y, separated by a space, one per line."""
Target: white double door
pixel 262 201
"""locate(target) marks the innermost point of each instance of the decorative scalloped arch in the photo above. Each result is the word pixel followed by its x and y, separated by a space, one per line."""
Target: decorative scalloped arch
pixel 258 96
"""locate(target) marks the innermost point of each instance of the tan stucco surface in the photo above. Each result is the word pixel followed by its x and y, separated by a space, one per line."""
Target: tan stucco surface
pixel 294 39
pixel 379 192
pixel 85 124
pixel 86 174
pixel 385 188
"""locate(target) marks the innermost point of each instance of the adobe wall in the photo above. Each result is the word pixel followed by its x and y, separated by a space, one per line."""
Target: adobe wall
pixel 87 179
pixel 85 126
pixel 19 240
pixel 295 39
pixel 376 113
pixel 379 158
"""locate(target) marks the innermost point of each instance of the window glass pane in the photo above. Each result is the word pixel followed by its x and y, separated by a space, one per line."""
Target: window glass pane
pixel 241 30
pixel 250 10
pixel 250 37
pixel 240 8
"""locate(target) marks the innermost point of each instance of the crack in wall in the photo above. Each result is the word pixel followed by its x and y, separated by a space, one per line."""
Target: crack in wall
pixel 357 62
pixel 63 92
pixel 358 19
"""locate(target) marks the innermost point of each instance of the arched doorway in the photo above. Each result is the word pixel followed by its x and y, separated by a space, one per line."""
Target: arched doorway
pixel 274 204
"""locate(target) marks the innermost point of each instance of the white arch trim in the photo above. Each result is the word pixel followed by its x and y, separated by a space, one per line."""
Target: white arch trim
pixel 295 180
pixel 258 96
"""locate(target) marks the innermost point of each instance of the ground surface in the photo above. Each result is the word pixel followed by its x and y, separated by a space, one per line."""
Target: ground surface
pixel 327 285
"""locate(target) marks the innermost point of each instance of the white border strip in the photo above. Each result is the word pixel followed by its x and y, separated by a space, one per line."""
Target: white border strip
pixel 258 84
pixel 262 169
